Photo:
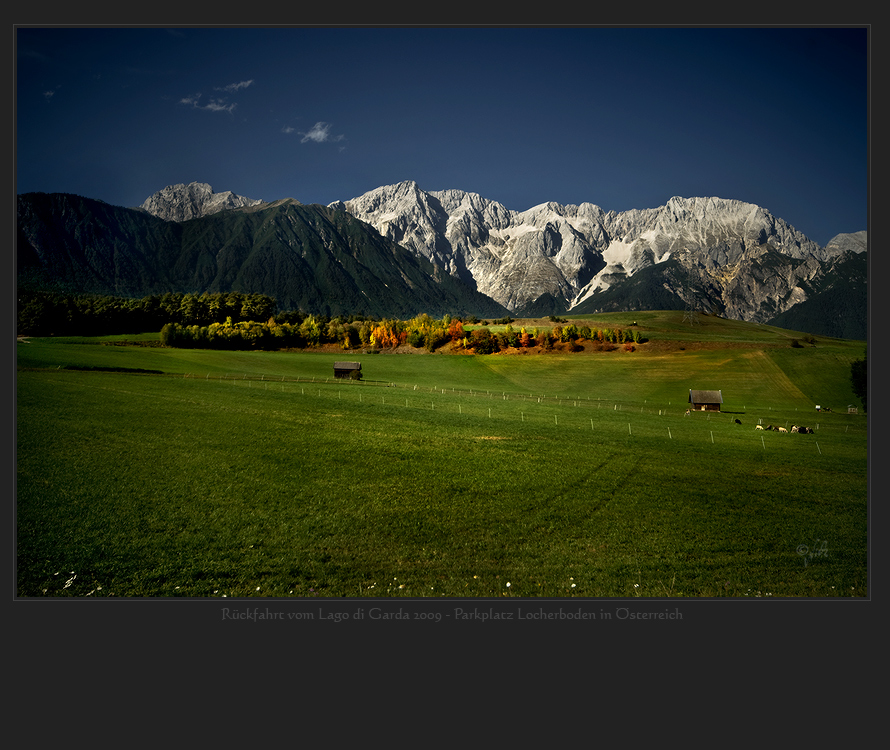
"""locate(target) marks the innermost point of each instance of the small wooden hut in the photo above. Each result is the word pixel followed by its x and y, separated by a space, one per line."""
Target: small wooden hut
pixel 346 369
pixel 705 400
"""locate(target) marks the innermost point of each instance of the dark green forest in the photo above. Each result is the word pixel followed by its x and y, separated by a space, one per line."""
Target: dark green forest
pixel 859 379
pixel 59 314
pixel 309 258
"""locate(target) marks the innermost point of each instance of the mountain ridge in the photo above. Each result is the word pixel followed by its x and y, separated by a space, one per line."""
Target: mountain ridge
pixel 310 258
pixel 573 253
pixel 723 256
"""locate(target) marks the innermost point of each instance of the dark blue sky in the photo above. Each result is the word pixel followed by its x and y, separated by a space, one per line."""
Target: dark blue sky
pixel 620 117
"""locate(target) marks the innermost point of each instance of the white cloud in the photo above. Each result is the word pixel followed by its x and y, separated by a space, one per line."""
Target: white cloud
pixel 214 105
pixel 320 133
pixel 236 86
pixel 219 105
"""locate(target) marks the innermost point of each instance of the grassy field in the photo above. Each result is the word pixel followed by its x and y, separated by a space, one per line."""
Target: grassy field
pixel 256 474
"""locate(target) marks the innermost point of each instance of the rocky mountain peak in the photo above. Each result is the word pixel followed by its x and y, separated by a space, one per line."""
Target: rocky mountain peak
pixel 182 202
pixel 723 256
pixel 571 253
pixel 856 242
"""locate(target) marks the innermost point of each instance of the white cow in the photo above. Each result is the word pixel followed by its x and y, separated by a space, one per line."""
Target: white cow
pixel 758 427
pixel 781 429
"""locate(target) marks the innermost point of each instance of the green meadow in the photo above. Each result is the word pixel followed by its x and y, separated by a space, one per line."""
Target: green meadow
pixel 145 471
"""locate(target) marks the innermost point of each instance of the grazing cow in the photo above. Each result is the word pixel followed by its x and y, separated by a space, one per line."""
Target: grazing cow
pixel 794 428
pixel 758 427
pixel 738 421
pixel 687 413
pixel 781 429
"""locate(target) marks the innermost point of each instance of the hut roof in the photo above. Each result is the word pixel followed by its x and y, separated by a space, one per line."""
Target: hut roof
pixel 347 365
pixel 705 397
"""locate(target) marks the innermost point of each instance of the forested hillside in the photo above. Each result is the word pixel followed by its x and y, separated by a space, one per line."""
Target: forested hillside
pixel 309 258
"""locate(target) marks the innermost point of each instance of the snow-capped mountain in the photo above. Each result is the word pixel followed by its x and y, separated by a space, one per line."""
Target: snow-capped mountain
pixel 573 253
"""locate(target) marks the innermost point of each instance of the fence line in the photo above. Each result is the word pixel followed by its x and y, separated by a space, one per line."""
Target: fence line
pixel 526 397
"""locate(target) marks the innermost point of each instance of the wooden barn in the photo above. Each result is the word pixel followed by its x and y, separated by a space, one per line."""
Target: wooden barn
pixel 347 369
pixel 705 400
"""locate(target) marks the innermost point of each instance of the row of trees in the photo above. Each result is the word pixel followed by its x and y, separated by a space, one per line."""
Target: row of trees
pixel 421 331
pixel 484 341
pixel 291 330
pixel 49 313
pixel 231 320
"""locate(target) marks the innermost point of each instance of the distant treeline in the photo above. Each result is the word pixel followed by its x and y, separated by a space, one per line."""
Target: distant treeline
pixel 234 320
pixel 289 331
pixel 484 341
pixel 50 313
pixel 422 331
